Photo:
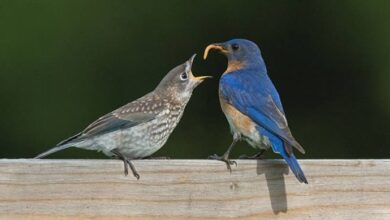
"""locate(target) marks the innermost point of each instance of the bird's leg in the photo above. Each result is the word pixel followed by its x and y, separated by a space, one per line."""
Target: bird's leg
pixel 126 163
pixel 225 156
pixel 132 167
pixel 256 156
pixel 118 155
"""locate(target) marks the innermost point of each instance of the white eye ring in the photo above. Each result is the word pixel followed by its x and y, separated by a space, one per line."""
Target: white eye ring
pixel 183 76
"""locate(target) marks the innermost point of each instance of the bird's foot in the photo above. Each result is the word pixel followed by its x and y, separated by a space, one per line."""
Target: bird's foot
pixel 132 167
pixel 127 163
pixel 256 156
pixel 225 159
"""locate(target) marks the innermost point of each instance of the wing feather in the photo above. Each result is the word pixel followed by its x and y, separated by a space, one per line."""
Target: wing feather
pixel 137 112
pixel 259 104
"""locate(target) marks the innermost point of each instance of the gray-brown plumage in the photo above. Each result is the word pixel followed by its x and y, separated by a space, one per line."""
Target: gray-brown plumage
pixel 140 128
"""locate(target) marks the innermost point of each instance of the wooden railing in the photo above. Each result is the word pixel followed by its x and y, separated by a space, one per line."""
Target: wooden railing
pixel 188 189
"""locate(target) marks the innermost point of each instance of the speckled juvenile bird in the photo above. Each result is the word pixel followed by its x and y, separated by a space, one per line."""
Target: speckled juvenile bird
pixel 140 128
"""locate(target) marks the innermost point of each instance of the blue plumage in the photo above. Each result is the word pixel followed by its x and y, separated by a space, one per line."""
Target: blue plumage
pixel 249 99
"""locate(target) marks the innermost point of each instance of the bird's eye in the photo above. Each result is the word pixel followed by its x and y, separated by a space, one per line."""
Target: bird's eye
pixel 235 46
pixel 184 76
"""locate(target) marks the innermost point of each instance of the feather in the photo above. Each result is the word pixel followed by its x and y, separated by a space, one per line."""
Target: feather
pixel 258 103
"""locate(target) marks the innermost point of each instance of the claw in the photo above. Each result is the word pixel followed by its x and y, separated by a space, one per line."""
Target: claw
pixel 127 163
pixel 135 173
pixel 224 159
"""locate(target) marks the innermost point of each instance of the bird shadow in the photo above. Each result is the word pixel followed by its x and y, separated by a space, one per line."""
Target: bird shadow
pixel 274 172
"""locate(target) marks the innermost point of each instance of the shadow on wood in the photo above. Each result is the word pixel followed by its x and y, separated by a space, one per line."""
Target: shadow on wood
pixel 274 175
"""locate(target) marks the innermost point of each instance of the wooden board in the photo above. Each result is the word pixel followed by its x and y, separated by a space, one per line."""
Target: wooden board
pixel 188 189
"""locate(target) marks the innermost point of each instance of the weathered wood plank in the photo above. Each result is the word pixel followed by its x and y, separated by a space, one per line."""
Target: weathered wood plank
pixel 186 189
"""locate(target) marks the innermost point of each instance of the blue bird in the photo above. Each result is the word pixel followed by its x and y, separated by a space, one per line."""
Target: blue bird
pixel 252 104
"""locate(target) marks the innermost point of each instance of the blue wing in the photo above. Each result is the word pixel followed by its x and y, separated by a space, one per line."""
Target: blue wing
pixel 254 95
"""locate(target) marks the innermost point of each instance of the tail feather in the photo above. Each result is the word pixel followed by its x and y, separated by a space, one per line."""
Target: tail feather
pixel 60 146
pixel 294 166
pixel 278 146
pixel 53 150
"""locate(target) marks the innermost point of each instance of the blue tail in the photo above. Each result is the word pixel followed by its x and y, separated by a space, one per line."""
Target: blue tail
pixel 278 147
pixel 294 166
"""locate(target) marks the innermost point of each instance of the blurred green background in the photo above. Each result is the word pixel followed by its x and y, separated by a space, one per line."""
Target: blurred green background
pixel 65 63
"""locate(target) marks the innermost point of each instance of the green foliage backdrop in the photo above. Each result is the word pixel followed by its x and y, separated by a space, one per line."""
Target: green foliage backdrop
pixel 65 63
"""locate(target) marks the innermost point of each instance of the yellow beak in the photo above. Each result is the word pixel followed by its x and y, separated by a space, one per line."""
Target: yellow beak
pixel 201 78
pixel 215 47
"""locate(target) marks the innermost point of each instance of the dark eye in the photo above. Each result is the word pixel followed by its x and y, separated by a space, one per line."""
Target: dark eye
pixel 183 76
pixel 235 46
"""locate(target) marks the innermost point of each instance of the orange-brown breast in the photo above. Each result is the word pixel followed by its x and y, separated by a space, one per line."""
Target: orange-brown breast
pixel 237 120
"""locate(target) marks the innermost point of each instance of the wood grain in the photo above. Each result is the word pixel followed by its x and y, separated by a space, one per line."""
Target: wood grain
pixel 192 189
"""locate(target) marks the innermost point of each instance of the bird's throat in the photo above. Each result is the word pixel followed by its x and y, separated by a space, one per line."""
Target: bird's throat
pixel 234 65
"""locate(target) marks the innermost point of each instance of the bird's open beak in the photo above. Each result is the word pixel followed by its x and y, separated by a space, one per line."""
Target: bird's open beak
pixel 191 60
pixel 197 79
pixel 201 78
pixel 217 46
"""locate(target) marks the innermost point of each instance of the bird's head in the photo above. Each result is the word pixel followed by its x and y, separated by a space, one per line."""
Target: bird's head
pixel 180 81
pixel 239 52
